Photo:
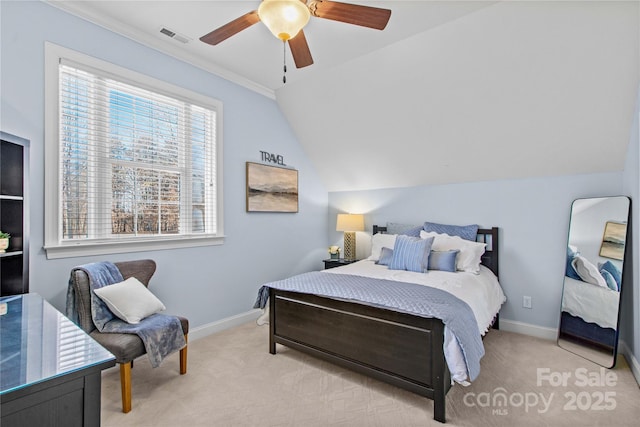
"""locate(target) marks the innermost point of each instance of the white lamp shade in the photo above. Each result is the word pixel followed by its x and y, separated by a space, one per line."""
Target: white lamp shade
pixel 284 18
pixel 350 222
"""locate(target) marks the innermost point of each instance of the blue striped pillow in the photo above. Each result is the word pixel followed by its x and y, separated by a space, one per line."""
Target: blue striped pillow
pixel 443 260
pixel 411 254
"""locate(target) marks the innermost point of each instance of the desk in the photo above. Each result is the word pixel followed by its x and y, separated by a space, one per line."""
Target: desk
pixel 49 368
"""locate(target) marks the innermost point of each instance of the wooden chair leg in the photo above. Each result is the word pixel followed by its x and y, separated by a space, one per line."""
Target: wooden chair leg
pixel 183 358
pixel 125 384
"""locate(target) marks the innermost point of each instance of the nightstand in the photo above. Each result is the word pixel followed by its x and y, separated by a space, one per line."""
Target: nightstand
pixel 336 262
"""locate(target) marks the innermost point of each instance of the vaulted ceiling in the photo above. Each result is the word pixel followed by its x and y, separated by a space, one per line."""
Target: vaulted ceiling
pixel 451 91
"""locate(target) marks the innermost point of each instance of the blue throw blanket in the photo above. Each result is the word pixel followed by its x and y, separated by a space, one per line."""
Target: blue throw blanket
pixel 405 297
pixel 161 334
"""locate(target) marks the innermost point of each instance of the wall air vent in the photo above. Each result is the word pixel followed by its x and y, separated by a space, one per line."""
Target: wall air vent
pixel 178 37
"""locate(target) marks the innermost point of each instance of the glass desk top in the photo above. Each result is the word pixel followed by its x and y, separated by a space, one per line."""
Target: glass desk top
pixel 38 343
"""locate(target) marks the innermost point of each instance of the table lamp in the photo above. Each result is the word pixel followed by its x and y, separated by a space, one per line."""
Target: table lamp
pixel 350 223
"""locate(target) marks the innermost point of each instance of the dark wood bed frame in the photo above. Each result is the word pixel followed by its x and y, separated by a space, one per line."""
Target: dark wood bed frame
pixel 401 349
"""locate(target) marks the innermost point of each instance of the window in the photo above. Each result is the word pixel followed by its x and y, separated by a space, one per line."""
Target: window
pixel 132 162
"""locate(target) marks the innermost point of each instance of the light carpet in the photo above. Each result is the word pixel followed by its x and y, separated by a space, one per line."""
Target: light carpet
pixel 232 380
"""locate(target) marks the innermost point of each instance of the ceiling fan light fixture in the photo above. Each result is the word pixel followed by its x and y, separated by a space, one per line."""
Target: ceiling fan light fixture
pixel 284 18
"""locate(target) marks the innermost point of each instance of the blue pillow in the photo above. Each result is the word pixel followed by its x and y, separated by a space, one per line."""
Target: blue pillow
pixel 569 270
pixel 613 270
pixel 406 229
pixel 411 254
pixel 413 232
pixel 611 282
pixel 467 232
pixel 386 255
pixel 443 260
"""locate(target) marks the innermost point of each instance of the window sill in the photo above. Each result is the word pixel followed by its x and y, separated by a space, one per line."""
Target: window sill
pixel 85 248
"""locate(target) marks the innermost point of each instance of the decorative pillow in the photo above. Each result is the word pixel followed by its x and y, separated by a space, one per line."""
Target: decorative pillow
pixel 443 260
pixel 386 255
pixel 406 229
pixel 610 281
pixel 467 232
pixel 378 241
pixel 130 300
pixel 587 271
pixel 572 252
pixel 613 270
pixel 470 252
pixel 411 254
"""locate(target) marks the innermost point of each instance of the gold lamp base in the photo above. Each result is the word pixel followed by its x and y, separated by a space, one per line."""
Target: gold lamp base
pixel 350 245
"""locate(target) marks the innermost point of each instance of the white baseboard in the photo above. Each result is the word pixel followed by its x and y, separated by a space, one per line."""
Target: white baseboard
pixel 528 329
pixel 221 325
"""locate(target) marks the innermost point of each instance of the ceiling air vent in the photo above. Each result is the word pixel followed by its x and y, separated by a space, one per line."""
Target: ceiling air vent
pixel 174 35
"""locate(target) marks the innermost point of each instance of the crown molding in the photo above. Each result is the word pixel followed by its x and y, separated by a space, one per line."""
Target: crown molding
pixel 76 8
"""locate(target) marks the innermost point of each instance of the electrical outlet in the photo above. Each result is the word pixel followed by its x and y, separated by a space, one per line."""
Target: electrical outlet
pixel 526 301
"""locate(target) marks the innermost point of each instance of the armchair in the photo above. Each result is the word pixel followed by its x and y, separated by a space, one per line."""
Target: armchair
pixel 125 347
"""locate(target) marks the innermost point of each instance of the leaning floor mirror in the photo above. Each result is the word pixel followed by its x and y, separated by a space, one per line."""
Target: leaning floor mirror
pixel 598 232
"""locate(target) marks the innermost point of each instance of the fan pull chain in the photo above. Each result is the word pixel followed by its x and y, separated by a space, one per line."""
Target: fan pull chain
pixel 284 60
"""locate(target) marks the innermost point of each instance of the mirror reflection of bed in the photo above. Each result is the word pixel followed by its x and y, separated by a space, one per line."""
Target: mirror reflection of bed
pixel 593 278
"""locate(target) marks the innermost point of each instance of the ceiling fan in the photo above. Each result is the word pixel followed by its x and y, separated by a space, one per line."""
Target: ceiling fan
pixel 286 18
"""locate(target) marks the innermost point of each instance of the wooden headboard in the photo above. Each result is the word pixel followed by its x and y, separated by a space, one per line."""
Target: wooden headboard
pixel 485 235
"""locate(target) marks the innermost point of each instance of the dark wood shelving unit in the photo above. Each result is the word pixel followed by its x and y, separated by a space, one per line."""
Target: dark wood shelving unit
pixel 14 172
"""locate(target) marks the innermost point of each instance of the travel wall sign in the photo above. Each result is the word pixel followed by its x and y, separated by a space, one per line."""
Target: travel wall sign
pixel 272 158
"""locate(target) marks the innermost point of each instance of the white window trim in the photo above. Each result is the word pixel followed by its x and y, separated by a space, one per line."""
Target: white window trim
pixel 53 245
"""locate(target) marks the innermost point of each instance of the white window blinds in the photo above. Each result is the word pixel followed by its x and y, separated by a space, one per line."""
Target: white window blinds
pixel 134 163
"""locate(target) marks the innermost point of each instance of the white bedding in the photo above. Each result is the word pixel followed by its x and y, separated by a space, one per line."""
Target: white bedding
pixel 592 303
pixel 481 292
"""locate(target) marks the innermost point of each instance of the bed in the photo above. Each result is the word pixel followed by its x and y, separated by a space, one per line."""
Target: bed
pixel 403 349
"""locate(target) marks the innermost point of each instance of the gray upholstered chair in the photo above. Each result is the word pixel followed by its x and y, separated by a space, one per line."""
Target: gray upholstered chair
pixel 125 347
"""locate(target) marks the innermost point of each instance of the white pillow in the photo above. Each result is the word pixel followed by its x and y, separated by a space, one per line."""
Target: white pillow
pixel 378 241
pixel 130 300
pixel 588 272
pixel 470 252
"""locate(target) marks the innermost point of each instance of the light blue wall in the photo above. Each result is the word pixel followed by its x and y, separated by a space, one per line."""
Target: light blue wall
pixel 204 284
pixel 533 216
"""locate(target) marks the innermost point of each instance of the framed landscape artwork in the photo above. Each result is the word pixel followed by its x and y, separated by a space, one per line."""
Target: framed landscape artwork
pixel 613 240
pixel 271 189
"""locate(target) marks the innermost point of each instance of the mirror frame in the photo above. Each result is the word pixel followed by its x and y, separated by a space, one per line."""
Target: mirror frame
pixel 575 345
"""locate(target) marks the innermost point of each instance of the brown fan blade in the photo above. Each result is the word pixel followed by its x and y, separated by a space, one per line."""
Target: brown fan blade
pixel 365 16
pixel 218 35
pixel 300 50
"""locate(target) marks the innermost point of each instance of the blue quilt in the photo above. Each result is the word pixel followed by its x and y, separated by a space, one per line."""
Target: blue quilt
pixel 161 334
pixel 399 296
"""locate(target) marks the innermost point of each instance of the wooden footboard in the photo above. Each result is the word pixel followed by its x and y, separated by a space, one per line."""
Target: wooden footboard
pixel 398 348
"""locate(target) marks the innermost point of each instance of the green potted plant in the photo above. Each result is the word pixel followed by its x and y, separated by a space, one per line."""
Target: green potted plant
pixel 4 241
